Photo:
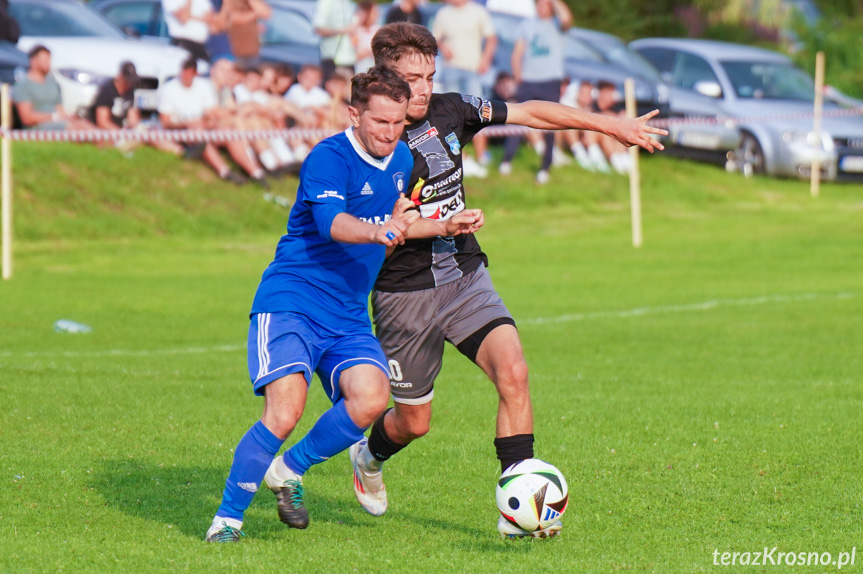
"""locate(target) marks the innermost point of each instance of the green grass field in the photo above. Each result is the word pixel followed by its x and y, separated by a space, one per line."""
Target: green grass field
pixel 701 393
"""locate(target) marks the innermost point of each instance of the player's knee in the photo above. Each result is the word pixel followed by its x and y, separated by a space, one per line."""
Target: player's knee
pixel 511 380
pixel 413 427
pixel 370 401
pixel 281 422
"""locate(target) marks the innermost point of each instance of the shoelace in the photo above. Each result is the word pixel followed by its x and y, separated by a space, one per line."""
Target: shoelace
pixel 295 489
pixel 228 533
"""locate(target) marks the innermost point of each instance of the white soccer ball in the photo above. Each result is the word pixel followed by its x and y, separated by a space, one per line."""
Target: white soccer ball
pixel 532 494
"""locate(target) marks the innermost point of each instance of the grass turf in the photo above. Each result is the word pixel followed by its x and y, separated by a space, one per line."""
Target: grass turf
pixel 700 393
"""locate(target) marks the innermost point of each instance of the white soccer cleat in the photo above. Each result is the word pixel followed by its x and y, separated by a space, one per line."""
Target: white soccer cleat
pixel 368 486
pixel 508 530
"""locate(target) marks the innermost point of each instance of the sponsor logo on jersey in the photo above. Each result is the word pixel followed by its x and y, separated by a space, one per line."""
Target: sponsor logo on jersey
pixel 416 141
pixel 425 141
pixel 328 194
pixel 376 219
pixel 444 208
pixel 399 180
pixel 248 486
pixel 401 385
pixel 454 145
pixel 367 189
pixel 422 193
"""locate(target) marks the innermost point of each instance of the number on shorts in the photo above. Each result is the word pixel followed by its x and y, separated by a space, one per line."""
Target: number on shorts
pixel 395 370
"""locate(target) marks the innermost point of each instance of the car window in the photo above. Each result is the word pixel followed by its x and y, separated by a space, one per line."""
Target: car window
pixel 661 58
pixel 60 19
pixel 288 27
pixel 575 49
pixel 691 69
pixel 137 17
pixel 622 56
pixel 771 80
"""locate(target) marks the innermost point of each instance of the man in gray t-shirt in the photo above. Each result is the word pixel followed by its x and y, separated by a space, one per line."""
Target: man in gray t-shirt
pixel 37 97
pixel 537 67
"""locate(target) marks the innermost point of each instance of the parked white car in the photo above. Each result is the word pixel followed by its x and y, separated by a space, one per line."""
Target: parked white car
pixel 86 49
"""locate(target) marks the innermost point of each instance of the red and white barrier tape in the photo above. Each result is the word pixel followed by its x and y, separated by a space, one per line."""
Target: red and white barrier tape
pixel 220 136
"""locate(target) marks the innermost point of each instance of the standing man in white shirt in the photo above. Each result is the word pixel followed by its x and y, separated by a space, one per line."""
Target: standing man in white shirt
pixel 189 24
pixel 334 23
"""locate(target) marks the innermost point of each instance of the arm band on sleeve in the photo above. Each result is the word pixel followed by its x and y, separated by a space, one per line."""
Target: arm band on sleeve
pixel 324 214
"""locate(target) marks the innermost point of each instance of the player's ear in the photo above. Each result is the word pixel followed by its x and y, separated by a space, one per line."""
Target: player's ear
pixel 354 114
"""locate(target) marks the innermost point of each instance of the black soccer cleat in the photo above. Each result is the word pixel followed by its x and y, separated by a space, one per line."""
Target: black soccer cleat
pixel 289 500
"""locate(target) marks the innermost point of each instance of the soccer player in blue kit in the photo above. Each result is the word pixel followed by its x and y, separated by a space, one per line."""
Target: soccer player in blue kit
pixel 310 312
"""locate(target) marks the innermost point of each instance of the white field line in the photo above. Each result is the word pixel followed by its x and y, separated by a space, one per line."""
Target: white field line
pixel 568 318
pixel 689 307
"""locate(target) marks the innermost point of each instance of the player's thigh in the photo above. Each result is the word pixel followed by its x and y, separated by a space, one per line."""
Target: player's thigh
pixel 408 326
pixel 350 360
pixel 474 311
pixel 501 356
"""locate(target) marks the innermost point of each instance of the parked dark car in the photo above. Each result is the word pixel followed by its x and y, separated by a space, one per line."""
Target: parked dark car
pixel 13 63
pixel 288 35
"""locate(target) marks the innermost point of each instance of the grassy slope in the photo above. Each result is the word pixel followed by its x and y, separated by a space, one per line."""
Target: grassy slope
pixel 681 428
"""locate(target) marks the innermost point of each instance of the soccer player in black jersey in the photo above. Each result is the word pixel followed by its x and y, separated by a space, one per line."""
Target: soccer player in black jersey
pixel 435 290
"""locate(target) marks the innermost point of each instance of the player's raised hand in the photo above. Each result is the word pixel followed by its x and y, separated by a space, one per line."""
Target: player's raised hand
pixel 466 221
pixel 631 132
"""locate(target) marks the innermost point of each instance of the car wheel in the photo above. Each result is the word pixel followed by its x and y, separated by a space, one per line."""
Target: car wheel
pixel 750 156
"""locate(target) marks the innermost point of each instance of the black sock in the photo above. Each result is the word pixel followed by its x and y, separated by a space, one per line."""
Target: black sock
pixel 513 449
pixel 382 446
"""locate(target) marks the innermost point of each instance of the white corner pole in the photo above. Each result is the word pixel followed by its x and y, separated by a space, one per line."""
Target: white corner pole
pixel 635 170
pixel 6 182
pixel 815 183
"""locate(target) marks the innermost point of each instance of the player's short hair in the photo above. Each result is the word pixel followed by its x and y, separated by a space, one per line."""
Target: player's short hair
pixel 378 81
pixel 189 63
pixel 605 85
pixel 392 42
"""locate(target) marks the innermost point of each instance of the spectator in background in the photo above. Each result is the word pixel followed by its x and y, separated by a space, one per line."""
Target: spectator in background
pixel 37 97
pixel 189 24
pixel 308 96
pixel 467 42
pixel 334 23
pixel 404 11
pixel 584 144
pixel 241 20
pixel 537 67
pixel 114 108
pixel 607 103
pixel 367 24
pixel 338 117
pixel 189 103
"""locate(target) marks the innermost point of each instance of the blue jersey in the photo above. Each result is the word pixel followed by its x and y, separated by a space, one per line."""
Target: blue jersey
pixel 312 275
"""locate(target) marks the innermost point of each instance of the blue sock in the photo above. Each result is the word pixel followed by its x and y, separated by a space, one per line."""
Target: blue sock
pixel 251 461
pixel 333 433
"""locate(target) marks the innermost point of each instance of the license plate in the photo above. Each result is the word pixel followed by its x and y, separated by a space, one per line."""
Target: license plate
pixel 146 99
pixel 698 140
pixel 852 163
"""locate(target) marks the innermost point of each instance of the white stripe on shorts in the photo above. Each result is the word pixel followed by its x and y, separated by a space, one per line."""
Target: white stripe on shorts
pixel 419 401
pixel 263 341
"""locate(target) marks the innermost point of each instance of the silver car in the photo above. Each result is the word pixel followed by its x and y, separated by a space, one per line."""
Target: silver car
pixel 753 107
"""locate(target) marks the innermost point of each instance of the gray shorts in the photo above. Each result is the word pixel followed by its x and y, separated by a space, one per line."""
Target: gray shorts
pixel 412 327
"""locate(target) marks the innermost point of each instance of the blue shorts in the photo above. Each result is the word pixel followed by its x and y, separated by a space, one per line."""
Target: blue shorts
pixel 285 343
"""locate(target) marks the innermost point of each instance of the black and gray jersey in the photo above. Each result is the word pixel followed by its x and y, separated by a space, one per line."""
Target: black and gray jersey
pixel 436 187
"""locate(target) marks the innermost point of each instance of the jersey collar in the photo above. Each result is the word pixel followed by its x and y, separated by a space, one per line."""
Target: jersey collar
pixel 380 163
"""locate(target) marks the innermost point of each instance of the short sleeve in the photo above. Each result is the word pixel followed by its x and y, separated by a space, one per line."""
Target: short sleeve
pixel 104 98
pixel 322 14
pixel 486 24
pixel 21 92
pixel 478 112
pixel 166 102
pixel 208 95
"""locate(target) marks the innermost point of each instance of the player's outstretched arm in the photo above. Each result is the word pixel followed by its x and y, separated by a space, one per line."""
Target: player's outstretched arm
pixel 553 116
pixel 466 221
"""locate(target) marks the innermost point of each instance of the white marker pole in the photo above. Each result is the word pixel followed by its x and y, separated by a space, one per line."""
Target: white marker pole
pixel 634 171
pixel 815 183
pixel 6 182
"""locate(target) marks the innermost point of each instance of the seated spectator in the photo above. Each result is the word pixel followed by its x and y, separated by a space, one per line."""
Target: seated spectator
pixel 38 100
pixel 584 144
pixel 338 116
pixel 308 96
pixel 404 11
pixel 114 108
pixel 607 103
pixel 367 17
pixel 188 103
